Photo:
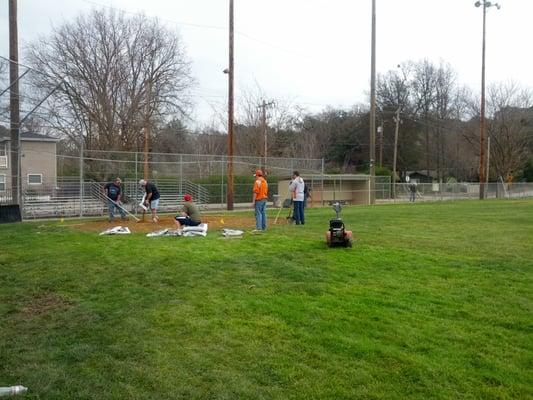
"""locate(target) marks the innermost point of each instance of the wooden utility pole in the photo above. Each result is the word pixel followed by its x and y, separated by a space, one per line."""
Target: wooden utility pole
pixel 14 104
pixel 395 156
pixel 263 107
pixel 230 111
pixel 147 129
pixel 373 106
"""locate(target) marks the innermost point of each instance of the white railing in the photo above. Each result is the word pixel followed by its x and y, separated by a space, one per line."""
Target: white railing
pixel 63 199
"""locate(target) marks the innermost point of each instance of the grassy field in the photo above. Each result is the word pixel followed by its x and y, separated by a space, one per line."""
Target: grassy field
pixel 434 301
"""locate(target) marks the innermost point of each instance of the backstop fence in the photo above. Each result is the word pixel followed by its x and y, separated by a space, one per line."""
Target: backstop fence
pixel 77 190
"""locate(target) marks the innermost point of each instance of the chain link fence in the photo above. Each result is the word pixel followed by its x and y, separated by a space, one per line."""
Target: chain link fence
pixel 78 188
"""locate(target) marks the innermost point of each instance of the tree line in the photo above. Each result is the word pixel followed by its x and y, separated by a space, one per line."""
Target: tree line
pixel 118 78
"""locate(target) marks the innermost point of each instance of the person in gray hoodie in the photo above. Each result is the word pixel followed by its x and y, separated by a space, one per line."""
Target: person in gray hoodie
pixel 296 187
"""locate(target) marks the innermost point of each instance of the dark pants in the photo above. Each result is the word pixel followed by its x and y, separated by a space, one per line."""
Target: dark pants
pixel 111 205
pixel 186 221
pixel 298 215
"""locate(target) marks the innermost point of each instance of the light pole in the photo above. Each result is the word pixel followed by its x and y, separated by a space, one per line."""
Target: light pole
pixel 482 127
pixel 373 106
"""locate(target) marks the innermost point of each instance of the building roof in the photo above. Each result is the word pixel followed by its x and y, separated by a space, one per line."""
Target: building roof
pixel 28 136
pixel 432 173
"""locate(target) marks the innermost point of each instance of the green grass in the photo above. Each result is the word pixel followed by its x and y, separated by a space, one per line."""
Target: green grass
pixel 434 301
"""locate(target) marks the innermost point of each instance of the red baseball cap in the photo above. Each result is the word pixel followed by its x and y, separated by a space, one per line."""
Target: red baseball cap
pixel 187 197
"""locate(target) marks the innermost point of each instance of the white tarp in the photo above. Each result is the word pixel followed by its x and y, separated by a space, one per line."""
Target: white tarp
pixel 117 230
pixel 232 232
pixel 200 230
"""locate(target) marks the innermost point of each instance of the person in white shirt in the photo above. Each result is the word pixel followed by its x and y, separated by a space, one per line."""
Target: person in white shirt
pixel 296 187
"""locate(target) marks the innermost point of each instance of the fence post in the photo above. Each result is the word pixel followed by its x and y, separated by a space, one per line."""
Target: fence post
pixel 322 183
pixel 137 200
pixel 181 174
pixel 222 183
pixel 81 177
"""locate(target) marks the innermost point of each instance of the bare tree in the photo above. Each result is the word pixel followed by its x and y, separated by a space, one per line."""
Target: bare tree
pixel 117 75
pixel 511 135
pixel 423 85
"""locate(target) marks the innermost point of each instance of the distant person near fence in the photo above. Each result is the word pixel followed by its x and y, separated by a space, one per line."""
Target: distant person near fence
pixel 412 192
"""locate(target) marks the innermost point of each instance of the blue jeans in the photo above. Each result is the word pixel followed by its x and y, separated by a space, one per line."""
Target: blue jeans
pixel 298 214
pixel 260 215
pixel 111 207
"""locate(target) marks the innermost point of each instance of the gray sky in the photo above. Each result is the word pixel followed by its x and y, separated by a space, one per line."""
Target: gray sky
pixel 316 52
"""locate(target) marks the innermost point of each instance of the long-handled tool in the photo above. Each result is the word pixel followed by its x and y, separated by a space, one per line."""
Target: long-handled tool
pixel 142 206
pixel 122 208
pixel 281 206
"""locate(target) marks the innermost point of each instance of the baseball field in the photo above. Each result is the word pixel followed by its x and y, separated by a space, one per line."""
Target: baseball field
pixel 434 301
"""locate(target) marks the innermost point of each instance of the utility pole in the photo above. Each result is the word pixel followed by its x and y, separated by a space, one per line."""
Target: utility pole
pixel 395 156
pixel 482 126
pixel 230 111
pixel 263 107
pixel 147 128
pixel 14 105
pixel 373 106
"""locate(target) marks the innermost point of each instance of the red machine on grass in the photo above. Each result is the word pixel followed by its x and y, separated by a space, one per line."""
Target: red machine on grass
pixel 337 235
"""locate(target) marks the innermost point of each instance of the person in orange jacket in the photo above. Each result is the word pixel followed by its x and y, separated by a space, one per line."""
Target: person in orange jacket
pixel 260 196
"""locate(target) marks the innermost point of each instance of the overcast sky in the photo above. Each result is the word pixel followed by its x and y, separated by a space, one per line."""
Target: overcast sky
pixel 316 52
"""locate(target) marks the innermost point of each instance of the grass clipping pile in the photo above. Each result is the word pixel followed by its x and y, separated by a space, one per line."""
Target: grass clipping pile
pixel 215 222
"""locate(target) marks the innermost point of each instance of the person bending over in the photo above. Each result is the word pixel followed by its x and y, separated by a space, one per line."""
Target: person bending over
pixel 151 198
pixel 189 215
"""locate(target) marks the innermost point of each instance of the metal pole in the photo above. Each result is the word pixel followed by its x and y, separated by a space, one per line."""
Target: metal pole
pixel 222 183
pixel 482 115
pixel 147 129
pixel 230 111
pixel 373 103
pixel 136 180
pixel 14 105
pixel 181 174
pixel 395 156
pixel 263 107
pixel 322 184
pixel 488 162
pixel 81 176
pixel 263 125
pixel 380 131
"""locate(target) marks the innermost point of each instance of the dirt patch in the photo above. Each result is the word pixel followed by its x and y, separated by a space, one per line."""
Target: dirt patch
pixel 215 222
pixel 45 303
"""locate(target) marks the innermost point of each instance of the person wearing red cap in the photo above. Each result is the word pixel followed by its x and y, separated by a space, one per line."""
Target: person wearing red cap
pixel 260 196
pixel 189 215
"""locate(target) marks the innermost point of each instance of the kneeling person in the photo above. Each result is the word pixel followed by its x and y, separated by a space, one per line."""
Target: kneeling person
pixel 190 215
